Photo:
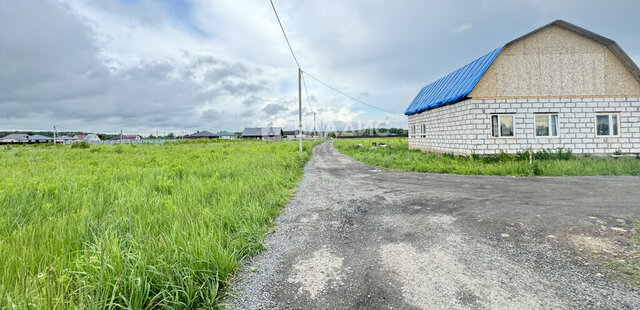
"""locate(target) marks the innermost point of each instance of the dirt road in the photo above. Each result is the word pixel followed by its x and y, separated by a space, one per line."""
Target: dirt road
pixel 355 237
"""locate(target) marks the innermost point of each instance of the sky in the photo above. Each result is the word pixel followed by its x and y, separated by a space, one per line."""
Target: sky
pixel 147 66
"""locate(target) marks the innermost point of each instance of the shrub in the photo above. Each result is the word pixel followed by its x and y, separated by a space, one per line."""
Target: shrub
pixel 504 157
pixel 80 145
pixel 617 152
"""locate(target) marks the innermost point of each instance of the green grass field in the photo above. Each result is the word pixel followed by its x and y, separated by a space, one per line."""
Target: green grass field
pixel 397 156
pixel 136 226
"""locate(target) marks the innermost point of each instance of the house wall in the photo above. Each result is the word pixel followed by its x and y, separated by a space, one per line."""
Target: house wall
pixel 556 62
pixel 465 127
pixel 449 128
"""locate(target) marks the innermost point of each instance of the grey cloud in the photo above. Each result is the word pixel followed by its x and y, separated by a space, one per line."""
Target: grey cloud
pixel 274 108
pixel 57 76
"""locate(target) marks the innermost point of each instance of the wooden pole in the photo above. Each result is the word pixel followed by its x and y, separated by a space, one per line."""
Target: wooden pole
pixel 530 155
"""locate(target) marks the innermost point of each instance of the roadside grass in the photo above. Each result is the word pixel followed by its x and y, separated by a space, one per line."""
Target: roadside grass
pixel 629 269
pixel 136 226
pixel 396 155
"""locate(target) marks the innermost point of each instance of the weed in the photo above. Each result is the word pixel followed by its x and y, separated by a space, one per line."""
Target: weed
pixel 545 162
pixel 164 227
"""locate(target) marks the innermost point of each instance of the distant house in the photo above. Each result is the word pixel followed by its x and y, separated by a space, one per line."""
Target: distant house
pixel 36 139
pixel 227 135
pixel 263 133
pixel 289 133
pixel 132 137
pixel 13 137
pixel 79 137
pixel 91 137
pixel 560 86
pixel 202 135
pixel 65 138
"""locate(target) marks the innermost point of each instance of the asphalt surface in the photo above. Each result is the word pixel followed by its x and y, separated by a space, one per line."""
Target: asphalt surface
pixel 355 237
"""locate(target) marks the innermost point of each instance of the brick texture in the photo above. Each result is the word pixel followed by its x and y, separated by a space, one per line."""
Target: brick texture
pixel 465 127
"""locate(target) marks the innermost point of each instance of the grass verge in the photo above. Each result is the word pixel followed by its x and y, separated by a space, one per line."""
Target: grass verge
pixel 136 226
pixel 396 155
pixel 629 269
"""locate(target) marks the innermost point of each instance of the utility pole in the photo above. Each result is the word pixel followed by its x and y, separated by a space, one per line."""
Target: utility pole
pixel 300 109
pixel 321 131
pixel 54 134
pixel 314 124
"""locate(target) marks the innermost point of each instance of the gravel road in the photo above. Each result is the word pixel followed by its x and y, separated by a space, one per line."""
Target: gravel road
pixel 355 237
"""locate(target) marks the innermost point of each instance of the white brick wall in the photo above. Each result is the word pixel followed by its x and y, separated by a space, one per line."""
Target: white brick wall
pixel 465 127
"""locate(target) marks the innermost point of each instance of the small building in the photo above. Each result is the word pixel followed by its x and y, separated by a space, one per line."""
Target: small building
pixel 79 137
pixel 202 135
pixel 15 137
pixel 91 137
pixel 227 135
pixel 263 133
pixel 560 86
pixel 131 137
pixel 36 139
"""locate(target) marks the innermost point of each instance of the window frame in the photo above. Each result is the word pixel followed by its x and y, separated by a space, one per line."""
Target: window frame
pixel 500 115
pixel 413 130
pixel 423 130
pixel 609 114
pixel 549 118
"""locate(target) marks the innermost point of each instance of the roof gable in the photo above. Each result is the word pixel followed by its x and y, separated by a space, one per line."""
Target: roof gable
pixel 458 85
pixel 610 44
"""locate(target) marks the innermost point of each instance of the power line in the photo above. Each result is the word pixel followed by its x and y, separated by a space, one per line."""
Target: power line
pixel 285 34
pixel 306 92
pixel 349 96
pixel 311 76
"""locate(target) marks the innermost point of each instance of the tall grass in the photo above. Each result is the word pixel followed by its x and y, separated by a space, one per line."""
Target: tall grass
pixel 136 226
pixel 396 155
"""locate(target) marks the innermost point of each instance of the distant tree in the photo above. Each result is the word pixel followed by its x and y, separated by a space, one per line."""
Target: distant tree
pixel 171 135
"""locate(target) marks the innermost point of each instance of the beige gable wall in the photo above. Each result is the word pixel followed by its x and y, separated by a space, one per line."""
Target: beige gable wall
pixel 555 62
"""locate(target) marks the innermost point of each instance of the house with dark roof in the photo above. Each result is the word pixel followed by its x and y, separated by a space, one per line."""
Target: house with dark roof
pixel 263 133
pixel 202 135
pixel 559 86
pixel 36 139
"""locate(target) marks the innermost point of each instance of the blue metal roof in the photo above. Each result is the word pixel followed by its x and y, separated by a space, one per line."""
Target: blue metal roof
pixel 454 87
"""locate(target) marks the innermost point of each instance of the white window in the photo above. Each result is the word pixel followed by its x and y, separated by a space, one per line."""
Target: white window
pixel 608 124
pixel 413 130
pixel 546 125
pixel 423 130
pixel 503 125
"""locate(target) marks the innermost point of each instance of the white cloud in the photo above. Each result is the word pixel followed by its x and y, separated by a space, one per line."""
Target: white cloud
pixel 462 28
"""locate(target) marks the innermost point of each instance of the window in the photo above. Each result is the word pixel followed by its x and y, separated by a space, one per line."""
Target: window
pixel 607 124
pixel 423 130
pixel 413 130
pixel 546 125
pixel 502 125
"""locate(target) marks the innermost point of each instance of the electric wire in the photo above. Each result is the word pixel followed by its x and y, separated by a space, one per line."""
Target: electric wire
pixel 285 34
pixel 349 96
pixel 311 76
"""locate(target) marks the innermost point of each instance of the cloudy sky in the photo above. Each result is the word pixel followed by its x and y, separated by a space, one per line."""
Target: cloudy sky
pixel 183 65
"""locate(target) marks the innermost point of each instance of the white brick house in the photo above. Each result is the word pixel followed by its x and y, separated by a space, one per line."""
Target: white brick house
pixel 559 86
